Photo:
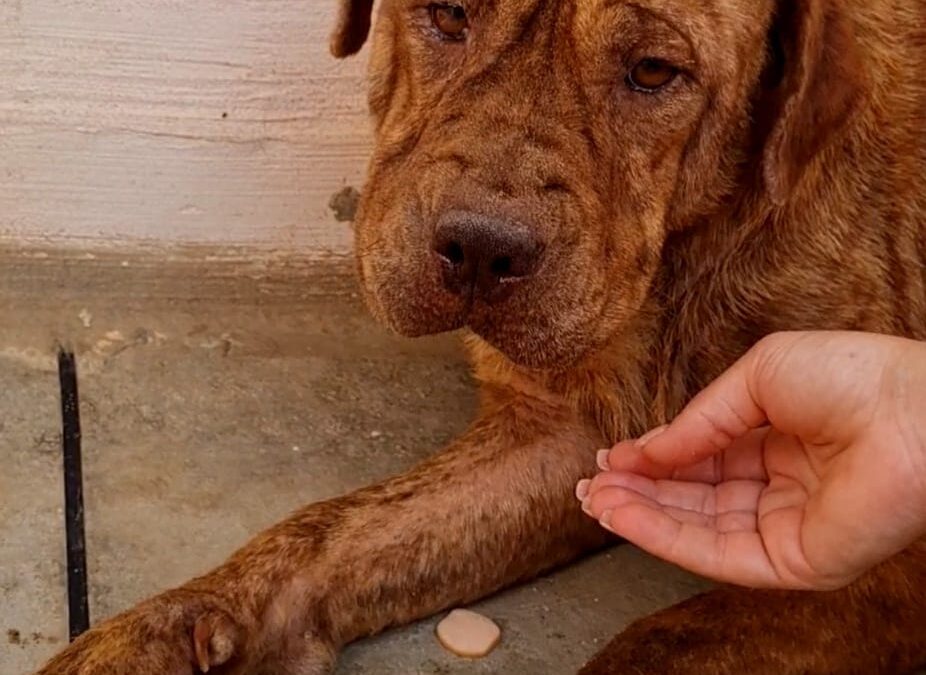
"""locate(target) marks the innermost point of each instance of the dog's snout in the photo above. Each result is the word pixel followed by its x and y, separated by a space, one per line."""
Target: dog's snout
pixel 484 256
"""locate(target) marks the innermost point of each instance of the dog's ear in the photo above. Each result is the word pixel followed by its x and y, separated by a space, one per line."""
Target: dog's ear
pixel 353 27
pixel 820 83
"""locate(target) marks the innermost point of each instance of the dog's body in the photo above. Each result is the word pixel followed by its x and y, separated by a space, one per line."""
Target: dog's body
pixel 638 239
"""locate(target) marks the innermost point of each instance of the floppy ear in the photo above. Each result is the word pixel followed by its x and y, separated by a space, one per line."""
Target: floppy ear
pixel 821 85
pixel 353 27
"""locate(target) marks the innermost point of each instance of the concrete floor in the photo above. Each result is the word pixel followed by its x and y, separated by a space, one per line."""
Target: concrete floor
pixel 217 399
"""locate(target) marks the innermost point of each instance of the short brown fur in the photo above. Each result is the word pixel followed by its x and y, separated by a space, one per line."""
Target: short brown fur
pixel 780 185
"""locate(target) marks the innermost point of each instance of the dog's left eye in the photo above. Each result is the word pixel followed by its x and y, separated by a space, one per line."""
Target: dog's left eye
pixel 450 20
pixel 651 75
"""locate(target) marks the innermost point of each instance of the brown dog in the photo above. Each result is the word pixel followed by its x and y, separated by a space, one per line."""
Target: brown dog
pixel 617 198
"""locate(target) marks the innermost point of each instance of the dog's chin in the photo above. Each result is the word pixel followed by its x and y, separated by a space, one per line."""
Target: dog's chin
pixel 525 347
pixel 535 352
pixel 539 351
pixel 412 327
pixel 413 320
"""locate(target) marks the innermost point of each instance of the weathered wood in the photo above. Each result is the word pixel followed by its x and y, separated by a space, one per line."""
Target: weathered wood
pixel 211 122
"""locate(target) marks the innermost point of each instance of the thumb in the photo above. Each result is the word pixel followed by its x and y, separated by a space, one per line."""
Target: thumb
pixel 721 413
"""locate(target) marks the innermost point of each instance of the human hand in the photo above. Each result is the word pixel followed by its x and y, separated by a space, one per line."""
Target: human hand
pixel 800 467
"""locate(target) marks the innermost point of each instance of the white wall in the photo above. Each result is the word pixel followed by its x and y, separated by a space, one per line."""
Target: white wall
pixel 182 121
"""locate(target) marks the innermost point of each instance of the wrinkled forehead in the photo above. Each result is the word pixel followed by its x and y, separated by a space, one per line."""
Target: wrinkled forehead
pixel 700 20
pixel 716 31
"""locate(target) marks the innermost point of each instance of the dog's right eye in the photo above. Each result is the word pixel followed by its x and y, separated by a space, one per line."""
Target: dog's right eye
pixel 450 20
pixel 651 75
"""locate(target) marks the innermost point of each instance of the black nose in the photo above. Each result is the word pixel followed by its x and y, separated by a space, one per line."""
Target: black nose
pixel 484 256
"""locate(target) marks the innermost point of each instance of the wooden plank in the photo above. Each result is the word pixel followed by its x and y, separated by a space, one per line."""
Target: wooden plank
pixel 216 121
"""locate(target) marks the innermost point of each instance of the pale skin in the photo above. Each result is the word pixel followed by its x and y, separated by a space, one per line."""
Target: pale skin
pixel 801 467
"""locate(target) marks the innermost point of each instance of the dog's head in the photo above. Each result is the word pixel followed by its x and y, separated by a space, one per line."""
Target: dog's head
pixel 532 156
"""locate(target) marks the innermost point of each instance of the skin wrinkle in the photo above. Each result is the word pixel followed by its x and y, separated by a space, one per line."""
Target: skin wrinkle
pixel 680 29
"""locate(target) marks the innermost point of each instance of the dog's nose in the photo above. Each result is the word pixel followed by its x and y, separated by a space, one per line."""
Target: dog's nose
pixel 484 256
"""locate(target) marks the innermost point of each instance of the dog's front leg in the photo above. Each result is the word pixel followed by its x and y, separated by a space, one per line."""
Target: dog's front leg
pixel 495 508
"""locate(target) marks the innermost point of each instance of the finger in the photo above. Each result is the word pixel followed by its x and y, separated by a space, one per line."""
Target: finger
pixel 743 460
pixel 612 498
pixel 628 456
pixel 732 557
pixel 723 412
pixel 732 521
pixel 697 497
pixel 711 500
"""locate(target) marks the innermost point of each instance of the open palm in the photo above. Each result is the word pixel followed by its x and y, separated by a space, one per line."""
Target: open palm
pixel 796 469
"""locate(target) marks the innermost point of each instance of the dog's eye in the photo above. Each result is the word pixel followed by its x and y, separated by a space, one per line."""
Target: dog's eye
pixel 651 75
pixel 450 20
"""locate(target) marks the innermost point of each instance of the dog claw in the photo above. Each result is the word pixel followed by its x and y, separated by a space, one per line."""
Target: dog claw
pixel 214 639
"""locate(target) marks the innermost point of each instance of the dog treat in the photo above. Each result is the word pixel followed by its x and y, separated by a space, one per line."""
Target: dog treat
pixel 468 634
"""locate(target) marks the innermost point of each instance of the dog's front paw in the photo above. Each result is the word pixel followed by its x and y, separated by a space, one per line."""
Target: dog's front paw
pixel 178 633
pixel 187 632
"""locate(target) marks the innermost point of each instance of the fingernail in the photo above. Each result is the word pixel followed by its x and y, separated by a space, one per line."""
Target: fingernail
pixel 582 489
pixel 605 520
pixel 587 505
pixel 602 460
pixel 646 438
